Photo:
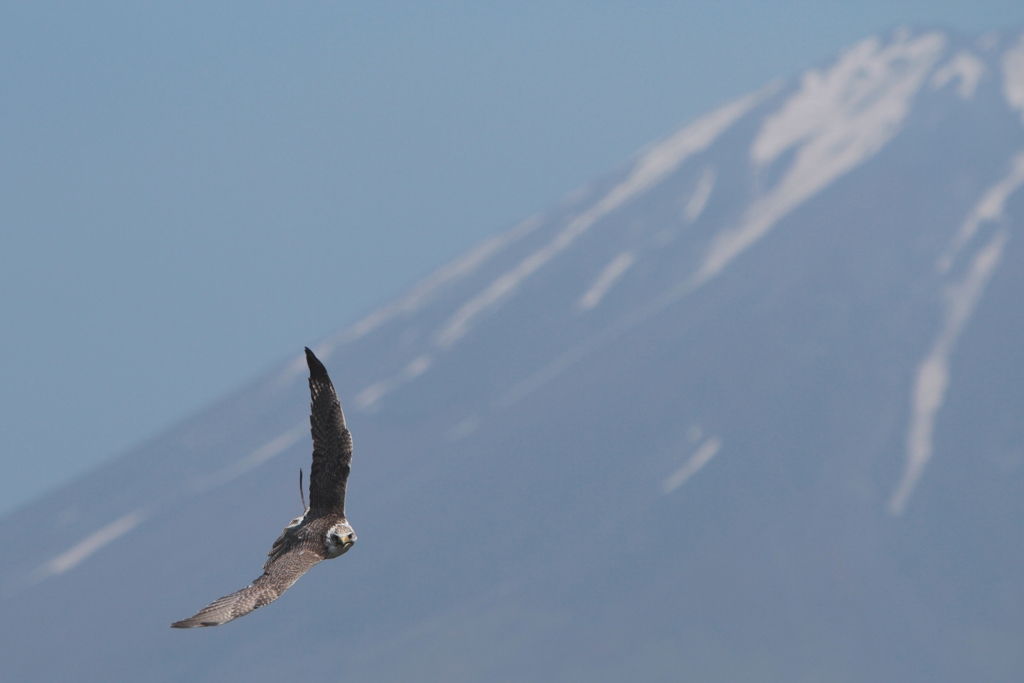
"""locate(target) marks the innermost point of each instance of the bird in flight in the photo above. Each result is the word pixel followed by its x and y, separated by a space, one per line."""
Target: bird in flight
pixel 321 532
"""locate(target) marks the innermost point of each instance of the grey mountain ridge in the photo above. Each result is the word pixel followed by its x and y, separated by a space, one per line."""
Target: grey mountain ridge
pixel 747 409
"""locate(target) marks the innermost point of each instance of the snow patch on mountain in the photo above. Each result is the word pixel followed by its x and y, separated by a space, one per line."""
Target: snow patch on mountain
pixel 932 377
pixel 1013 76
pixel 420 293
pixel 368 397
pixel 699 199
pixel 839 119
pixel 964 66
pixel 961 297
pixel 95 541
pixel 463 428
pixel 612 272
pixel 651 168
pixel 417 367
pixel 990 208
pixel 272 448
pixel 700 457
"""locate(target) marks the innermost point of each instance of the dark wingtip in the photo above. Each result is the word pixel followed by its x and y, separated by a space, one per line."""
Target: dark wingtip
pixel 316 368
pixel 192 623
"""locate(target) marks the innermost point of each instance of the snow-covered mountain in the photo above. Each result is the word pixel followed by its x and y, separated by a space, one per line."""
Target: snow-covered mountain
pixel 748 409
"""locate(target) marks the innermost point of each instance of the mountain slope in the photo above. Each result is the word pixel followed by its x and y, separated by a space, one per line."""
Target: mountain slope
pixel 747 409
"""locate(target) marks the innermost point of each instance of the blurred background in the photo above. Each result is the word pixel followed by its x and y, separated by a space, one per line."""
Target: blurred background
pixel 191 192
pixel 678 343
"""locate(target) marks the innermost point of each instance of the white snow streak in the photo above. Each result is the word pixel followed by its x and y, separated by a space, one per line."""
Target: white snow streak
pixel 990 208
pixel 965 66
pixel 460 267
pixel 700 195
pixel 121 526
pixel 933 372
pixel 1013 76
pixel 368 397
pixel 651 168
pixel 612 272
pixel 839 119
pixel 417 367
pixel 707 450
pixel 463 429
pixel 274 447
pixel 420 293
pixel 373 393
pixel 91 544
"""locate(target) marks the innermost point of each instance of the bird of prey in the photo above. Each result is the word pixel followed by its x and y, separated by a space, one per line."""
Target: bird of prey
pixel 321 532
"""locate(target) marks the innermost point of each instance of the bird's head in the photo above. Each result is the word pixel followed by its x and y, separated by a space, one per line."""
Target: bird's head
pixel 340 538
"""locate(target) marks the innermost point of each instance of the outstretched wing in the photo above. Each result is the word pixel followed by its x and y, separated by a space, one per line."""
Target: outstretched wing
pixel 332 443
pixel 278 577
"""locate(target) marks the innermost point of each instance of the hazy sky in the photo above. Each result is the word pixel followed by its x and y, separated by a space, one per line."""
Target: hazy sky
pixel 191 192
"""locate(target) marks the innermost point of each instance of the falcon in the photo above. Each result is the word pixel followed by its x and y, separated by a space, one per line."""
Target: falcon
pixel 321 532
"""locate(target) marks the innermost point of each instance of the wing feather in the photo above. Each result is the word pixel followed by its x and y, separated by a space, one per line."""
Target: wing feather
pixel 278 577
pixel 332 442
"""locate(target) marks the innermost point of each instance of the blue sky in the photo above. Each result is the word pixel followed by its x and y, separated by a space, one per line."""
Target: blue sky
pixel 191 192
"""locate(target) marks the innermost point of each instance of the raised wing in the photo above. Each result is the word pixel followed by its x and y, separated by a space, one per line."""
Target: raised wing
pixel 279 575
pixel 332 443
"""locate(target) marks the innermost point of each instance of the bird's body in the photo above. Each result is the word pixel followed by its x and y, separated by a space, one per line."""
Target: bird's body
pixel 322 532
